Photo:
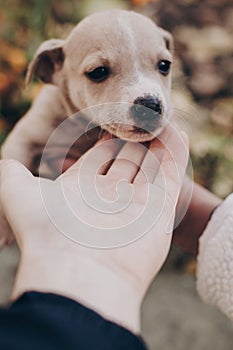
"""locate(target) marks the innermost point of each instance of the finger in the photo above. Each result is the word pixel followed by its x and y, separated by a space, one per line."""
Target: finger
pixel 104 138
pixel 175 155
pixel 105 167
pixel 153 158
pixel 128 161
pixel 94 162
pixel 175 158
pixel 172 171
pixel 151 163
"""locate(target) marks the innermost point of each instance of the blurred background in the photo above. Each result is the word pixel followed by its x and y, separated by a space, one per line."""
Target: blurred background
pixel 173 315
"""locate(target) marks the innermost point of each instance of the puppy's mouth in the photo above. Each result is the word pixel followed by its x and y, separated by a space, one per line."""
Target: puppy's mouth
pixel 141 122
pixel 131 132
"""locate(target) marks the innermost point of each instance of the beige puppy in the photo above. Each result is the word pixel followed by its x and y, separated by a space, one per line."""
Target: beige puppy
pixel 118 61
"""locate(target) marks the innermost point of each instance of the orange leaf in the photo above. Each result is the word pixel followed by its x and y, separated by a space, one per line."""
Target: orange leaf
pixel 141 2
pixel 5 81
pixel 17 59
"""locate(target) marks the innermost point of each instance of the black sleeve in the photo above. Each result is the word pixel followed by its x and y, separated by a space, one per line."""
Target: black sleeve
pixel 41 321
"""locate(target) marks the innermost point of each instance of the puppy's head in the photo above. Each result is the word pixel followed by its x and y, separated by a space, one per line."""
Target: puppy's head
pixel 117 57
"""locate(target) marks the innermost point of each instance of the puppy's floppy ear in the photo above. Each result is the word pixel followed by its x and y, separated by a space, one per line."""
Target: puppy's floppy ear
pixel 47 60
pixel 168 38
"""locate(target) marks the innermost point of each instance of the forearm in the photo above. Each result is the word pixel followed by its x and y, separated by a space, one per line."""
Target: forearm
pixel 192 226
pixel 103 291
pixel 56 322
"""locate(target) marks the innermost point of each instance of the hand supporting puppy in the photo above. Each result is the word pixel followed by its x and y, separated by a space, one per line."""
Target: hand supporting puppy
pixel 111 281
pixel 202 205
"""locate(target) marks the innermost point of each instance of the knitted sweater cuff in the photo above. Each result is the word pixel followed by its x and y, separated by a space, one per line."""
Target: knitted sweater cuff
pixel 215 259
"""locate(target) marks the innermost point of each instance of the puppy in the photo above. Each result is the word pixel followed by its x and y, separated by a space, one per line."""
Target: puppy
pixel 118 61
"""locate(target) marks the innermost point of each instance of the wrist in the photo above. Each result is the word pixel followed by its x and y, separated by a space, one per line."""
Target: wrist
pixel 83 279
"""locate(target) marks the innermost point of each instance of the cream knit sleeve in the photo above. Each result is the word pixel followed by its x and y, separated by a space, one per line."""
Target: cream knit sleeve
pixel 215 259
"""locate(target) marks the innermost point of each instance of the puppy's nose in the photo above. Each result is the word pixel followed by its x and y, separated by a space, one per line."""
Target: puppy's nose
pixel 148 101
pixel 147 112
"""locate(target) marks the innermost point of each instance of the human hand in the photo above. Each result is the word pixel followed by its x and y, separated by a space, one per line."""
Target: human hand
pixel 199 204
pixel 112 281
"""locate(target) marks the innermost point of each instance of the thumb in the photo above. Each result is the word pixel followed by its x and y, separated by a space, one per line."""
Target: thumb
pixel 15 182
pixel 14 177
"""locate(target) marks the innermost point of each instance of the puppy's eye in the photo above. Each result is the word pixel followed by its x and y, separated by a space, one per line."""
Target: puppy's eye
pixel 164 67
pixel 98 74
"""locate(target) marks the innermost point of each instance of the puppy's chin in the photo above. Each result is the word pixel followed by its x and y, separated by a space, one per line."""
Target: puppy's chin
pixel 133 134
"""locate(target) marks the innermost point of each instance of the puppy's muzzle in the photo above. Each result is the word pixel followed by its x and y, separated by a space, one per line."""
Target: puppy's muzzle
pixel 147 112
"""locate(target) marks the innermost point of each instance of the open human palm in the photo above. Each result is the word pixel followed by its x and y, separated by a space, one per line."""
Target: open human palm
pixel 113 211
